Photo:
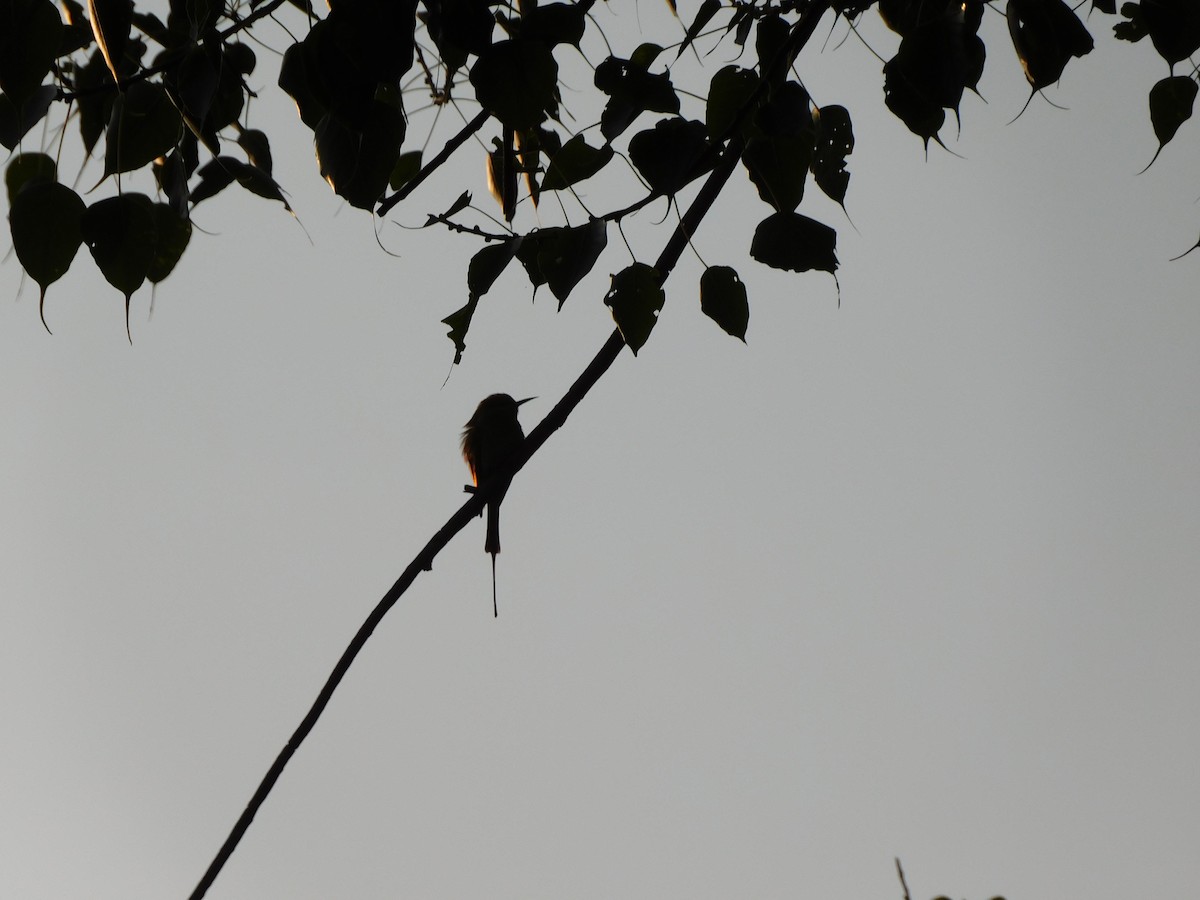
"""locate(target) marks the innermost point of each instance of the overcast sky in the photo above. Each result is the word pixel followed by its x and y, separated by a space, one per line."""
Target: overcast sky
pixel 916 576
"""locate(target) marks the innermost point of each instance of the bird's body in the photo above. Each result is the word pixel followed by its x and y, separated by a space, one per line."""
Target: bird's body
pixel 489 441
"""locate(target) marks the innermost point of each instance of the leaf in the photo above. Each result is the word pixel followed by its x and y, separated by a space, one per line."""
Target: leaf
pixel 459 322
pixel 1046 34
pixel 1174 27
pixel 488 264
pixel 29 41
pixel 17 118
pixel 644 55
pixel 215 176
pixel 923 116
pixel 240 58
pixel 708 9
pixel 459 28
pixel 195 82
pixel 553 23
pixel 299 77
pixel 485 267
pixel 560 257
pixel 517 82
pixel 769 40
pixel 407 166
pixel 575 162
pixel 94 102
pixel 170 173
pixel 778 167
pixel 144 125
pixel 357 164
pixel 257 147
pixel 728 92
pixel 790 241
pixel 632 90
pixel 28 169
pixel 44 219
pixel 376 36
pixel 671 154
pixel 461 202
pixel 121 234
pixel 636 298
pixel 787 113
pixel 172 234
pixel 1171 101
pixel 723 299
pixel 835 141
pixel 255 180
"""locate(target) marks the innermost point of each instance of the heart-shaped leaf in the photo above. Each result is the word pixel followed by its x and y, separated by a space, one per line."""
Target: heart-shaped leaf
pixel 44 219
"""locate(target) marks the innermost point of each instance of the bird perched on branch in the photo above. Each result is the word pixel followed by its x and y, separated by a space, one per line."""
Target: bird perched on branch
pixel 489 441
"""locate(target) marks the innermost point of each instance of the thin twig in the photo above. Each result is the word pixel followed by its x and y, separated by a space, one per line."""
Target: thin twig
pixel 903 883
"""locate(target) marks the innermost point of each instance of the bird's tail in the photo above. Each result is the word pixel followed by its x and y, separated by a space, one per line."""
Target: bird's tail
pixel 491 543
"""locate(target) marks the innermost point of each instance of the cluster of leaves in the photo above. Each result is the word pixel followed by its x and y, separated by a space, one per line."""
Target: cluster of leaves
pixel 155 115
pixel 181 112
pixel 1173 27
pixel 941 54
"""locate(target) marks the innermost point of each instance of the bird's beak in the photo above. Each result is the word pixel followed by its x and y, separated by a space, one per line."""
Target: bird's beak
pixel 526 400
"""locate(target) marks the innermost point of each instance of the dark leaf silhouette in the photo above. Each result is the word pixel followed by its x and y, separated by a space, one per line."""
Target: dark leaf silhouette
pixel 257 147
pixel 671 154
pixel 517 82
pixel 27 169
pixel 937 60
pixel 144 126
pixel 407 166
pixel 29 42
pixel 633 90
pixel 834 142
pixel 17 118
pixel 172 232
pixel 121 234
pixel 223 171
pixel 575 162
pixel 1171 102
pixel 357 162
pixel 44 219
pixel 485 267
pixel 459 28
pixel 778 167
pixel 1046 35
pixel 723 299
pixel 553 23
pixel 704 14
pixel 1173 26
pixel 636 298
pixel 788 240
pixel 561 257
pixel 728 93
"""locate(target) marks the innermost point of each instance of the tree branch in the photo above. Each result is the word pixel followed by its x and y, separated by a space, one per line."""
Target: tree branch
pixel 555 419
pixel 428 169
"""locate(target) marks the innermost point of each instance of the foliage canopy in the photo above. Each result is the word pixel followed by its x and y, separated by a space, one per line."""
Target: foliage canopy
pixel 174 99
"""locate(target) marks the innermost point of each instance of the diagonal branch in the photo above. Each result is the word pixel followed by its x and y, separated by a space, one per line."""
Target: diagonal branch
pixel 555 419
pixel 428 169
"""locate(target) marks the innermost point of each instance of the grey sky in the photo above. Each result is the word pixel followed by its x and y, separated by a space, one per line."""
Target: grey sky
pixel 914 577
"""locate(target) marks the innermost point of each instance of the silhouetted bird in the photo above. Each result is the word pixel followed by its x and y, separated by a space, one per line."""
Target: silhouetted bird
pixel 488 442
